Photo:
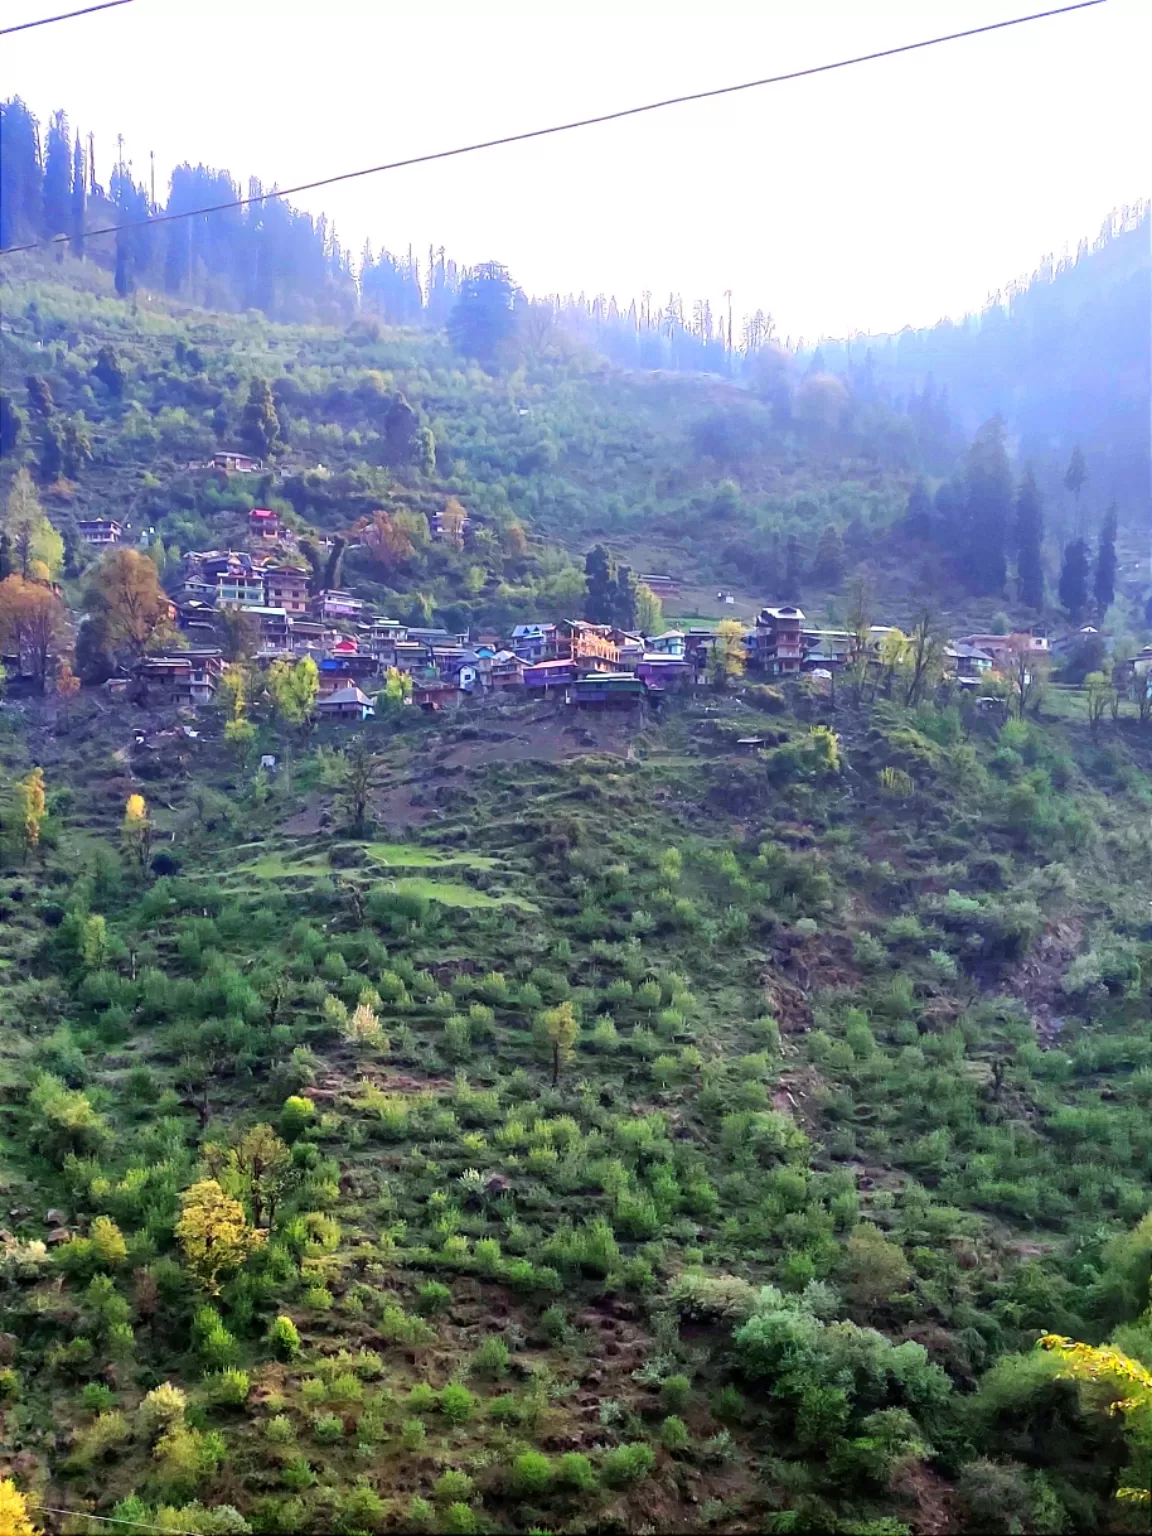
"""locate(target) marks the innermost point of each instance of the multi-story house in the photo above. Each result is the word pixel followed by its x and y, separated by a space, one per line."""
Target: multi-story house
pixel 776 645
pixel 286 586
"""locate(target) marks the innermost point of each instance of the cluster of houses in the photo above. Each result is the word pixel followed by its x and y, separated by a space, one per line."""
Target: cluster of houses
pixel 592 665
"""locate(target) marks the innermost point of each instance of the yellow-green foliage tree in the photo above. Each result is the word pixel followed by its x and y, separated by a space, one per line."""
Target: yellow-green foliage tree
pixel 213 1233
pixel 14 1519
pixel 37 547
pixel 1113 1383
pixel 33 807
pixel 294 690
pixel 729 655
pixel 136 830
pixel 258 1168
pixel 559 1029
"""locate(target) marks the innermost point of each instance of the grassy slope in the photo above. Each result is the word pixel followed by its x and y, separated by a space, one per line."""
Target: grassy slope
pixel 998 1196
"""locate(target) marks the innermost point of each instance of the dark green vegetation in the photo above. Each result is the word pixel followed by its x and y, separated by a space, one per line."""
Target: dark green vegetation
pixel 856 1104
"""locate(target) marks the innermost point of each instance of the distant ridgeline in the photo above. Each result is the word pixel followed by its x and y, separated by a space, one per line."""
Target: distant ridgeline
pixel 1065 356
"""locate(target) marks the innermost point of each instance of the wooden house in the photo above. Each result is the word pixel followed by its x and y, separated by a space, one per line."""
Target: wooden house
pixel 348 703
pixel 776 645
pixel 608 690
pixel 286 586
pixel 100 532
pixel 235 463
pixel 263 523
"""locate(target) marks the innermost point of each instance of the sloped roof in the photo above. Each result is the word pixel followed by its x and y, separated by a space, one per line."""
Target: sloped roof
pixel 345 696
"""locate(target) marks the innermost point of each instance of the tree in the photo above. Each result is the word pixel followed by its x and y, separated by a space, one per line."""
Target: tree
pixel 1104 581
pixel 33 623
pixel 874 1266
pixel 925 653
pixel 560 1028
pixel 1074 579
pixel 12 425
pixel 259 1165
pixel 39 396
pixel 294 689
pixel 239 732
pixel 79 199
pixel 1029 533
pixel 483 320
pixel 987 510
pixel 38 548
pixel 239 633
pixel 136 830
pixel 649 610
pixel 828 565
pixel 32 808
pixel 918 512
pixel 397 691
pixel 1116 1384
pixel 1027 672
pixel 213 1233
pixel 599 586
pixel 1074 478
pixel 624 599
pixel 124 592
pixel 354 770
pixel 94 661
pixel 452 521
pixel 14 1519
pixel 1099 696
pixel 259 424
pixel 729 654
pixel 58 177
pixel 110 371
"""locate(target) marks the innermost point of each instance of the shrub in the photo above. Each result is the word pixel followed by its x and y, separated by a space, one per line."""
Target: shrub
pixel 163 1407
pixel 284 1339
pixel 627 1464
pixel 491 1359
pixel 229 1389
pixel 460 1520
pixel 453 1487
pixel 280 1430
pixel 576 1472
pixel 413 1434
pixel 456 1403
pixel 433 1298
pixel 296 1116
pixel 675 1393
pixel 674 1434
pixel 531 1473
pixel 327 1428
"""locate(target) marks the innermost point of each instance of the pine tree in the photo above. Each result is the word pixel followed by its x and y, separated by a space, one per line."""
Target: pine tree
pixel 79 198
pixel 259 424
pixel 987 510
pixel 1076 474
pixel 12 424
pixel 1029 543
pixel 793 569
pixel 58 177
pixel 1104 582
pixel 1074 579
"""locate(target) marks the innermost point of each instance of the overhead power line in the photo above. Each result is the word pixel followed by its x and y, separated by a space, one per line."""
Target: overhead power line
pixel 46 21
pixel 540 133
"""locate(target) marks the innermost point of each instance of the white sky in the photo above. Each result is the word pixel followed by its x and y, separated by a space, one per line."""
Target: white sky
pixel 888 194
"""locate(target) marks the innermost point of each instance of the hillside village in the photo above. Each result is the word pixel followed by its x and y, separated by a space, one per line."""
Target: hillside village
pixel 264 605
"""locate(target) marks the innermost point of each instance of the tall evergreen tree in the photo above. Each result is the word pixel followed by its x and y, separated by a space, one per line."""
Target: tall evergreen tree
pixel 1029 543
pixel 625 603
pixel 1104 580
pixel 1074 579
pixel 21 174
pixel 259 424
pixel 58 177
pixel 484 317
pixel 600 593
pixel 79 198
pixel 828 566
pixel 12 425
pixel 793 569
pixel 988 510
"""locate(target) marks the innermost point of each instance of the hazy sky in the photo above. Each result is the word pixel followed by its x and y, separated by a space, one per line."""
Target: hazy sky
pixel 888 194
